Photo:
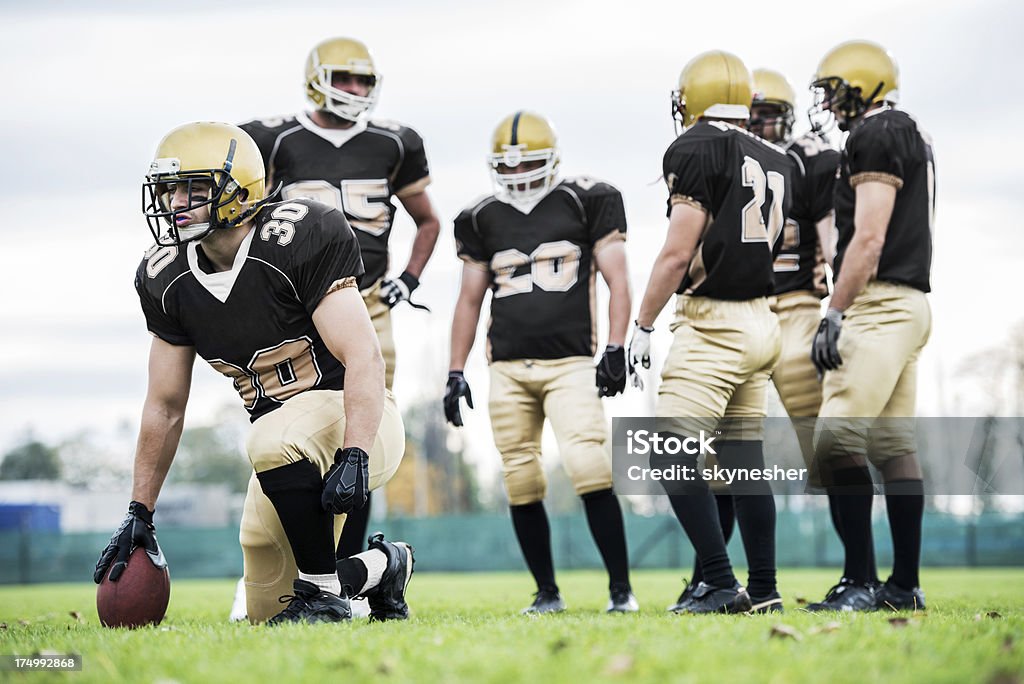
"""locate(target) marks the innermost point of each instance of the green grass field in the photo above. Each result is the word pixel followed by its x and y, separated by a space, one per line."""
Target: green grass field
pixel 466 628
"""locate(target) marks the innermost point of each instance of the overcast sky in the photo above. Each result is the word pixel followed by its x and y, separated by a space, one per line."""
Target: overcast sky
pixel 89 88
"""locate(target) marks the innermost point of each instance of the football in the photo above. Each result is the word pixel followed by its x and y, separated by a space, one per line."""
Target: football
pixel 139 596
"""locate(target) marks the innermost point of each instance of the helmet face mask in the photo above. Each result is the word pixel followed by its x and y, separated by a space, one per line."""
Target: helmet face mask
pixel 219 170
pixel 534 180
pixel 341 103
pixel 836 99
pixel 772 121
pixel 772 110
pixel 851 79
pixel 524 158
pixel 341 56
pixel 158 191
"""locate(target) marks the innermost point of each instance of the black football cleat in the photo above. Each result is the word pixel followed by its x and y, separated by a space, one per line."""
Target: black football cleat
pixel 546 600
pixel 772 603
pixel 621 600
pixel 708 598
pixel 684 598
pixel 387 599
pixel 845 596
pixel 891 597
pixel 311 604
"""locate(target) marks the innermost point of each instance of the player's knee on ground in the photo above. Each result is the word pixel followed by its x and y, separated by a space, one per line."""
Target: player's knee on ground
pixel 525 481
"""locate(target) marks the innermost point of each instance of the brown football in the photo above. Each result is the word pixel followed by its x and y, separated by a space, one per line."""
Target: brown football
pixel 139 596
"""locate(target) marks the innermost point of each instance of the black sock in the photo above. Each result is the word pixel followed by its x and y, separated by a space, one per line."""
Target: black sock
pixel 904 502
pixel 604 516
pixel 838 525
pixel 755 513
pixel 697 514
pixel 294 490
pixel 726 519
pixel 353 534
pixel 353 575
pixel 854 493
pixel 534 535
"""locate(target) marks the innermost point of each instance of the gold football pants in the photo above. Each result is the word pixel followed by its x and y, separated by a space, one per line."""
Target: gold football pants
pixel 882 336
pixel 310 425
pixel 719 364
pixel 380 315
pixel 795 377
pixel 523 393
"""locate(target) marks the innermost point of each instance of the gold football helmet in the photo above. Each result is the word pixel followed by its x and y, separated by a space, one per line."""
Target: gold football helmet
pixel 771 88
pixel 345 55
pixel 221 156
pixel 852 77
pixel 523 138
pixel 714 84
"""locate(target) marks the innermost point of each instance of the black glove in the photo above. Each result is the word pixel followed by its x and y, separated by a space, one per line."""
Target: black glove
pixel 456 388
pixel 136 531
pixel 400 289
pixel 825 350
pixel 347 483
pixel 611 371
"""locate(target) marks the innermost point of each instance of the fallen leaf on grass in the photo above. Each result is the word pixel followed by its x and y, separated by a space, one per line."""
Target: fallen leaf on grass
pixel 75 614
pixel 781 631
pixel 24 623
pixel 993 614
pixel 619 664
pixel 800 600
pixel 899 621
pixel 3 625
pixel 559 645
pixel 827 628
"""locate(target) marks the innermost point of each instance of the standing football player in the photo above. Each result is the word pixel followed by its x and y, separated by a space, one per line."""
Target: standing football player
pixel 537 244
pixel 337 155
pixel 808 244
pixel 877 323
pixel 267 294
pixel 729 194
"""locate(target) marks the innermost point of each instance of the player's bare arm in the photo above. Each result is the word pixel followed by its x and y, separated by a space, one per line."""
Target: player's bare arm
pixel 428 227
pixel 163 414
pixel 475 282
pixel 875 202
pixel 611 262
pixel 343 323
pixel 685 227
pixel 827 237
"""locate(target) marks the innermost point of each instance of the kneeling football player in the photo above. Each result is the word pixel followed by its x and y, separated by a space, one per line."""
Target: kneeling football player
pixel 266 293
pixel 536 244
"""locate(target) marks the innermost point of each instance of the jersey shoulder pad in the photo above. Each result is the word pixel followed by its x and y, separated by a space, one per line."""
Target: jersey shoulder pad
pixel 588 185
pixel 159 267
pixel 407 135
pixel 472 209
pixel 273 124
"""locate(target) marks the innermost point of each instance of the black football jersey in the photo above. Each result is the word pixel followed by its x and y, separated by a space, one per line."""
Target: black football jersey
pixel 358 170
pixel 800 263
pixel 254 323
pixel 888 146
pixel 542 267
pixel 745 185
